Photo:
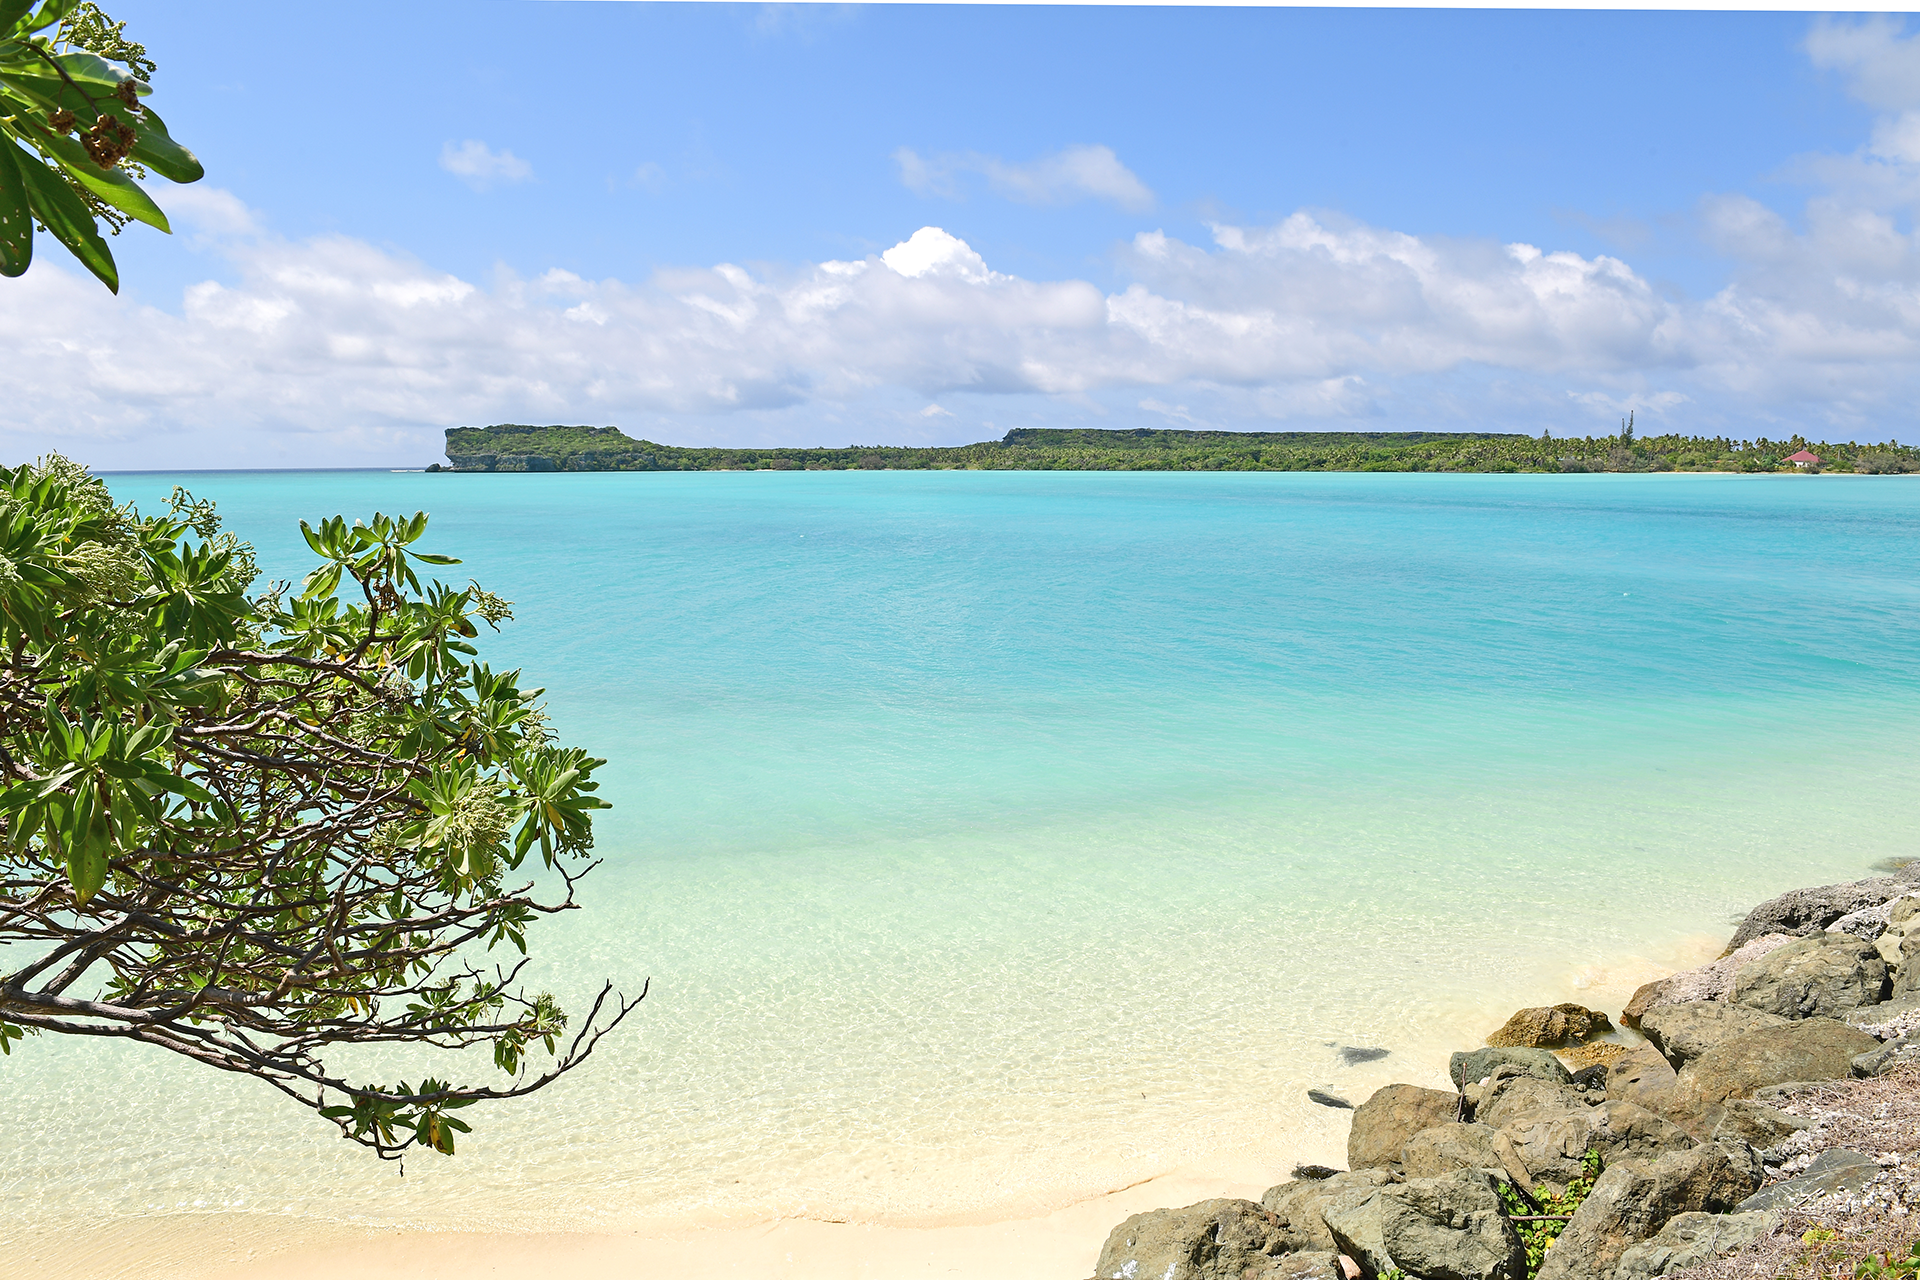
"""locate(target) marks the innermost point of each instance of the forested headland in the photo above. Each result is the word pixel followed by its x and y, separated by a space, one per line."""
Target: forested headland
pixel 510 447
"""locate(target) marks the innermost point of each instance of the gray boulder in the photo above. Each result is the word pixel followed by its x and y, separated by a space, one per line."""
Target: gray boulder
pixel 1297 1204
pixel 1831 1171
pixel 1818 977
pixel 1903 922
pixel 1383 1123
pixel 1549 1126
pixel 1810 1049
pixel 1447 1147
pixel 1692 1239
pixel 1807 911
pixel 1745 1120
pixel 1644 1077
pixel 1551 1026
pixel 1452 1227
pixel 1906 978
pixel 1625 1131
pixel 1899 1016
pixel 1478 1064
pixel 1904 1052
pixel 1708 982
pixel 1632 1201
pixel 1682 1032
pixel 1212 1240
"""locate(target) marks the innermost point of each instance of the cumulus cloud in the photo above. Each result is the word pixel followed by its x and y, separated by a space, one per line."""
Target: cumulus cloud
pixel 480 166
pixel 1076 173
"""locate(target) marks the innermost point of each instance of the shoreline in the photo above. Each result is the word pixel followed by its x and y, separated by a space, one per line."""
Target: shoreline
pixel 1034 1242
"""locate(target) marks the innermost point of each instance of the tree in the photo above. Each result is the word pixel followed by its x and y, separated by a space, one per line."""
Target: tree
pixel 74 134
pixel 253 830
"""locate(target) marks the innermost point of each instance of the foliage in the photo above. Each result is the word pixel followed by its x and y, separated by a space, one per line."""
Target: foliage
pixel 75 133
pixel 256 830
pixel 1885 1266
pixel 525 448
pixel 1543 1225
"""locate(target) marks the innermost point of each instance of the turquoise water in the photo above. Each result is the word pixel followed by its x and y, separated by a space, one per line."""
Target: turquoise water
pixel 993 839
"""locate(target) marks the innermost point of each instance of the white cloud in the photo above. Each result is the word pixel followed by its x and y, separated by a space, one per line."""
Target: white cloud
pixel 1880 63
pixel 1077 173
pixel 480 166
pixel 935 411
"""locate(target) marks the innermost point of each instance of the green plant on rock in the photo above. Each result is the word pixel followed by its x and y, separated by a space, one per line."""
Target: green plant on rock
pixel 255 830
pixel 75 132
pixel 1888 1266
pixel 1539 1227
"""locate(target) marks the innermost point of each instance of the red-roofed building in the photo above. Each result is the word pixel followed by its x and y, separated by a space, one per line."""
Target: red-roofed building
pixel 1805 459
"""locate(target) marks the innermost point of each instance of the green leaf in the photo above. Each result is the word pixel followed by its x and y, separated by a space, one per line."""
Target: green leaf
pixel 16 221
pixel 11 11
pixel 159 152
pixel 425 558
pixel 86 867
pixel 111 185
pixel 51 12
pixel 64 214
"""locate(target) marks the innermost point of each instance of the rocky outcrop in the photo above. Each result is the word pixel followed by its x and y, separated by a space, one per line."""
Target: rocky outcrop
pixel 1296 1205
pixel 1551 1027
pixel 1818 977
pixel 1890 1056
pixel 1807 911
pixel 1384 1122
pixel 1810 1049
pixel 1898 1016
pixel 1708 982
pixel 1451 1227
pixel 1831 1171
pixel 1212 1240
pixel 1632 1201
pixel 1682 1032
pixel 1450 1146
pixel 1478 1064
pixel 1691 1239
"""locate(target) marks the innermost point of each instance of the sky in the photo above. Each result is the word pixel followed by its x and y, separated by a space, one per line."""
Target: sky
pixel 920 224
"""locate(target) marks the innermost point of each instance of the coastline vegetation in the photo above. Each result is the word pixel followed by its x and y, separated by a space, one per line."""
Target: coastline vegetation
pixel 514 447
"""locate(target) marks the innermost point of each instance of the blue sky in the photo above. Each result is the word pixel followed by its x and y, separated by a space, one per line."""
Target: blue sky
pixel 672 218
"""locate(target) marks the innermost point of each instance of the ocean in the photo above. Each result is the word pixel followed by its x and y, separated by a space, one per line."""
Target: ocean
pixel 995 839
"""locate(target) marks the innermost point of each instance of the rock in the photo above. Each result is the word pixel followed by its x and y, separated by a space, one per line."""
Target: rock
pixel 1594 1077
pixel 1643 1076
pixel 1550 1027
pixel 1354 1055
pixel 1584 1057
pixel 1625 1131
pixel 1682 1032
pixel 1694 1238
pixel 1296 1205
pixel 1212 1240
pixel 1818 977
pixel 1899 1016
pixel 1311 1265
pixel 1867 924
pixel 1903 922
pixel 1807 911
pixel 1632 1201
pixel 1755 1123
pixel 1831 1171
pixel 1447 1147
pixel 1326 1099
pixel 1549 1125
pixel 1478 1064
pixel 1907 974
pixel 1708 982
pixel 1385 1121
pixel 1894 1054
pixel 1451 1227
pixel 1313 1172
pixel 1811 1049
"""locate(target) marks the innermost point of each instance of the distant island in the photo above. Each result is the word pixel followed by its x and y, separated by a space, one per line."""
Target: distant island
pixel 512 448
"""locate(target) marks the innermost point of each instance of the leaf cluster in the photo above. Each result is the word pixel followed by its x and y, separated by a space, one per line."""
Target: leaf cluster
pixel 75 130
pixel 253 828
pixel 1546 1217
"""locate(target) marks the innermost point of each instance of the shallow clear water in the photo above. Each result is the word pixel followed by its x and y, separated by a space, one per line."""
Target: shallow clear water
pixel 993 839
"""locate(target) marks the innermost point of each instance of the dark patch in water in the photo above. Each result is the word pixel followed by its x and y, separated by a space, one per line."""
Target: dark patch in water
pixel 1328 1100
pixel 1353 1054
pixel 1895 863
